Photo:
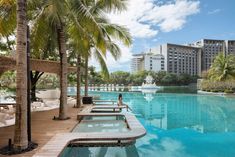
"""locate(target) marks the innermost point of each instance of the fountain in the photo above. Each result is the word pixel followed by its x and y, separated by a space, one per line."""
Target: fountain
pixel 149 84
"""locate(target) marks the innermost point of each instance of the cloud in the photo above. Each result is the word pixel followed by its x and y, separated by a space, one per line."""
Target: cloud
pixel 214 11
pixel 131 18
pixel 143 16
pixel 171 16
pixel 166 147
pixel 145 19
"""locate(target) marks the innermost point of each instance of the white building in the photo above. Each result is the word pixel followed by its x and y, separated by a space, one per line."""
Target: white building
pixel 136 62
pixel 147 61
pixel 153 62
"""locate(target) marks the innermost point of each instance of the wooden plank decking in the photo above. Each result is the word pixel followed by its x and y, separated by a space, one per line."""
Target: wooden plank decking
pixel 43 128
pixel 52 136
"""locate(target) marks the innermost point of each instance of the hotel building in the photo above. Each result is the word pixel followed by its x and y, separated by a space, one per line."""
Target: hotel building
pixel 230 47
pixel 211 48
pixel 190 59
pixel 181 59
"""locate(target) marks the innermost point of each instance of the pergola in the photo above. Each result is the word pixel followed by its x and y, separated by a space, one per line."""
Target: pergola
pixel 9 63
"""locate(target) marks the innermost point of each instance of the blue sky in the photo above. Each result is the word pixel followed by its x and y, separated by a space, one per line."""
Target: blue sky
pixel 155 22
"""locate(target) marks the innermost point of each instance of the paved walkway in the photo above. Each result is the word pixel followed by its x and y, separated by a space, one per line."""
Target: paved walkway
pixel 43 128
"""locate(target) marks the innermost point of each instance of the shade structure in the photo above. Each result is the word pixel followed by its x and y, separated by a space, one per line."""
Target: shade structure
pixel 47 66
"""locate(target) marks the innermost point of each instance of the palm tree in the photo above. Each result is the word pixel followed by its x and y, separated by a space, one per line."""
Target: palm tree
pixel 223 68
pixel 20 138
pixel 58 14
pixel 109 32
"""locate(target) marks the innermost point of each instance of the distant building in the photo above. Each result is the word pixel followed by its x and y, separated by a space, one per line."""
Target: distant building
pixel 147 61
pixel 211 48
pixel 181 59
pixel 136 62
pixel 230 47
pixel 190 59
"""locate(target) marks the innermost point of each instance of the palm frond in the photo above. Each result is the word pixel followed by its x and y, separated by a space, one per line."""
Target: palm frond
pixel 7 17
pixel 118 32
pixel 112 5
pixel 101 60
pixel 114 50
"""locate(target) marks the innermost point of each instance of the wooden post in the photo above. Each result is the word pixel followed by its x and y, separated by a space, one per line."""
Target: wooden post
pixel 28 87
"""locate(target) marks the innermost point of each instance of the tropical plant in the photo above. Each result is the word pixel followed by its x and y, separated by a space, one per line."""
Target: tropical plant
pixel 57 16
pixel 223 68
pixel 8 80
pixel 217 86
pixel 120 77
pixel 86 41
pixel 169 79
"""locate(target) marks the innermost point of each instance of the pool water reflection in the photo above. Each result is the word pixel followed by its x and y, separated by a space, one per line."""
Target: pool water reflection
pixel 179 125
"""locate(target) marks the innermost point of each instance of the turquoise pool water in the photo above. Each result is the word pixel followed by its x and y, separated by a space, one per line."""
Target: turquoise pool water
pixel 102 124
pixel 178 125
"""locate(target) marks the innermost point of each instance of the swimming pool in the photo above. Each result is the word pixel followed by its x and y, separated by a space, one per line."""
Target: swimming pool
pixel 178 125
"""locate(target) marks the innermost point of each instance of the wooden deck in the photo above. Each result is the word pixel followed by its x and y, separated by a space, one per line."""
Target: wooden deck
pixel 52 136
pixel 43 128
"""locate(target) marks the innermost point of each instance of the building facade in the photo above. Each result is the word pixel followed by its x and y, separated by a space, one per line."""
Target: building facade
pixel 230 47
pixel 190 59
pixel 147 61
pixel 136 62
pixel 181 59
pixel 211 48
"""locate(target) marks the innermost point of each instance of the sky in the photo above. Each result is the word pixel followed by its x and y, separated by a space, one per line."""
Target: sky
pixel 155 22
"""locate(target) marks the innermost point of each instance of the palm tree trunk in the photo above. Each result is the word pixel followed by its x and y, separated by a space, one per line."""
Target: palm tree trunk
pixel 86 76
pixel 78 81
pixel 63 74
pixel 20 136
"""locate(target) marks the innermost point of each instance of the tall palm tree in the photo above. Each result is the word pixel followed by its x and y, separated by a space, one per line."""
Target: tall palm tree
pixel 59 14
pixel 223 68
pixel 20 138
pixel 109 31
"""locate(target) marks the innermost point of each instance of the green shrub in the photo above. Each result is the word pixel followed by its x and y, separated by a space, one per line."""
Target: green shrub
pixel 228 91
pixel 218 86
